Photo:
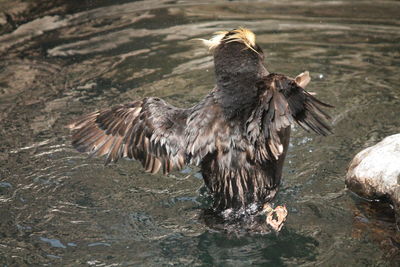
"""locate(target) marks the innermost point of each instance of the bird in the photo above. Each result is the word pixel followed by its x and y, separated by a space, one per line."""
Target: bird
pixel 238 134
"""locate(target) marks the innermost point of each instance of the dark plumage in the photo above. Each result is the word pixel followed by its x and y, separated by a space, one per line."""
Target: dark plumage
pixel 238 134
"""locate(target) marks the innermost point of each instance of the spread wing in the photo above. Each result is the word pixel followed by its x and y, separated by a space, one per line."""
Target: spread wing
pixel 149 130
pixel 282 102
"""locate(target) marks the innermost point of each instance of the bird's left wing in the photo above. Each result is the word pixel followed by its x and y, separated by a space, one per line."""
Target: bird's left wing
pixel 150 130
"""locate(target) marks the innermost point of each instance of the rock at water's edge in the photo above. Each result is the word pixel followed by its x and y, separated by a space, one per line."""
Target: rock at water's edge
pixel 375 172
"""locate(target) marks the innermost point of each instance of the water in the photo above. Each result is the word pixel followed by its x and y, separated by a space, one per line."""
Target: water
pixel 61 60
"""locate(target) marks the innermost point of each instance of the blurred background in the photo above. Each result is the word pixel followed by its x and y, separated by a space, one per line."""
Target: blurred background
pixel 61 59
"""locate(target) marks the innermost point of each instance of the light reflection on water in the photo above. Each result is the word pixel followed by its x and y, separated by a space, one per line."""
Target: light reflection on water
pixel 58 206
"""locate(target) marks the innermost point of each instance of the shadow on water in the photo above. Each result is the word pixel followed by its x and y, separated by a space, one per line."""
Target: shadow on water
pixel 211 249
pixel 61 59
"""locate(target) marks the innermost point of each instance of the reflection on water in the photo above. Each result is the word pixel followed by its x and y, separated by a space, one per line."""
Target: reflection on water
pixel 60 60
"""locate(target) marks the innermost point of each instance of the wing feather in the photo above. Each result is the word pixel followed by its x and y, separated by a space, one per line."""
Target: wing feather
pixel 282 102
pixel 150 131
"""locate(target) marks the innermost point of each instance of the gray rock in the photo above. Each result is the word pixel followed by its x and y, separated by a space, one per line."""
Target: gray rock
pixel 375 172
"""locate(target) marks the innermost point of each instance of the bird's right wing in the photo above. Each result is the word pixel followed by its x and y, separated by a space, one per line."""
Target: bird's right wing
pixel 149 130
pixel 282 102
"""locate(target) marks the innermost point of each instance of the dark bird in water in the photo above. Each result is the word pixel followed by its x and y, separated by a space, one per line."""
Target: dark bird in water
pixel 238 134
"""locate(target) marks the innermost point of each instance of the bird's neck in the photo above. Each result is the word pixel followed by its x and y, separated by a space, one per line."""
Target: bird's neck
pixel 237 93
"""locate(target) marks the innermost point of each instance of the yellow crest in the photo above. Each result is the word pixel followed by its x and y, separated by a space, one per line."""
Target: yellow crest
pixel 242 35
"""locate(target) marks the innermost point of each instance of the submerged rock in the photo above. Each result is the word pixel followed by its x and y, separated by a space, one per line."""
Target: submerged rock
pixel 374 173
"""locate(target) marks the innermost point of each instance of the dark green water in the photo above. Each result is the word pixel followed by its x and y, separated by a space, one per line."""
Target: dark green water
pixel 61 59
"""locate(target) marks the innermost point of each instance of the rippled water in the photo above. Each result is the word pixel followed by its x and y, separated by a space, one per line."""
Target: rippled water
pixel 61 60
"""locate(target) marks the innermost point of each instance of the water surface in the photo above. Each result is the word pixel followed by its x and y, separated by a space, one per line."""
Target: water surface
pixel 61 60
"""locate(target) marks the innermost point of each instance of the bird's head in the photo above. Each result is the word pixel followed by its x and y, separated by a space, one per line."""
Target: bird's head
pixel 236 52
pixel 240 35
